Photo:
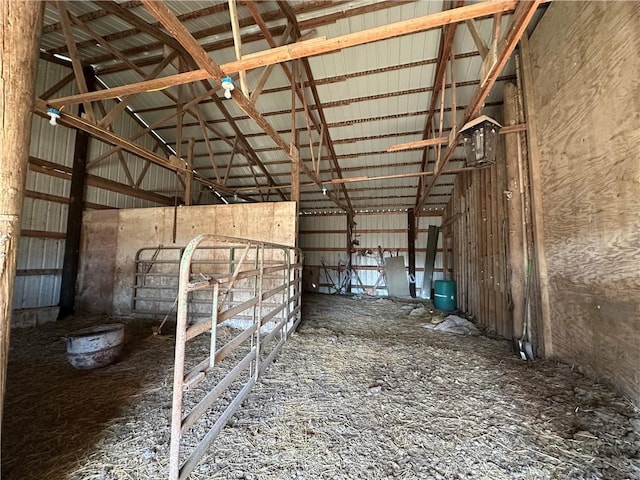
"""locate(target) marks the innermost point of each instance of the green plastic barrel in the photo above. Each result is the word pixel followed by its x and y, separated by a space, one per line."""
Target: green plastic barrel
pixel 444 295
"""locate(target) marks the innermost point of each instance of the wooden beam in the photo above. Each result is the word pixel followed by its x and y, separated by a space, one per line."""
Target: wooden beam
pixel 481 45
pixel 78 68
pixel 188 178
pixel 173 25
pixel 42 234
pixel 94 162
pixel 237 44
pixel 321 124
pixel 58 86
pixel 73 121
pixel 126 101
pixel 519 21
pixel 520 127
pixel 439 82
pixel 397 175
pixel 205 135
pixel 418 144
pixel 47 197
pixel 249 152
pixel 302 49
pixel 61 171
pixel 517 258
pixel 139 23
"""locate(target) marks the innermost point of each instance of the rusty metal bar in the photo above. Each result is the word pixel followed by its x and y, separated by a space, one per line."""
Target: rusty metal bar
pixel 271 305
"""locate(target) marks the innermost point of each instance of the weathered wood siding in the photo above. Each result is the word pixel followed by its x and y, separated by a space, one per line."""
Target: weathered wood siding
pixel 586 93
pixel 474 228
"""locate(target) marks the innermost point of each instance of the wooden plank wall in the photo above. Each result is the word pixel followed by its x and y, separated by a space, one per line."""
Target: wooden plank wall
pixel 474 223
pixel 586 95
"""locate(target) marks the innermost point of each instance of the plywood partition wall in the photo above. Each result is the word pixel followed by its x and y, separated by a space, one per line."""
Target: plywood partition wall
pixel 586 98
pixel 111 239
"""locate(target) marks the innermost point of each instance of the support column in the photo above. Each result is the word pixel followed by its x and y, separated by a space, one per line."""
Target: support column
pixel 517 252
pixel 18 63
pixel 411 245
pixel 74 215
pixel 350 224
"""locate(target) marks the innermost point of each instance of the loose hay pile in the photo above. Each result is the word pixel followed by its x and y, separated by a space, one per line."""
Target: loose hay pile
pixel 361 391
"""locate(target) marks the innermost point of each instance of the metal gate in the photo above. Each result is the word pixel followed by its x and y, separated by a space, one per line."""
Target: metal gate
pixel 257 286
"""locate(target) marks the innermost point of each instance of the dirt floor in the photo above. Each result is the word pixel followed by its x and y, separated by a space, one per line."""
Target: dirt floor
pixel 362 390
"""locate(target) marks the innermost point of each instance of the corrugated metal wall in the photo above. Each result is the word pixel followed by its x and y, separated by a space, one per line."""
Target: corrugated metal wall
pixel 323 238
pixel 44 214
pixel 157 179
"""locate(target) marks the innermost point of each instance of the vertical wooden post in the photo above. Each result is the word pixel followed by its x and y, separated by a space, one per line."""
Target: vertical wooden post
pixel 350 224
pixel 293 149
pixel 295 184
pixel 18 63
pixel 411 245
pixel 74 214
pixel 188 178
pixel 516 260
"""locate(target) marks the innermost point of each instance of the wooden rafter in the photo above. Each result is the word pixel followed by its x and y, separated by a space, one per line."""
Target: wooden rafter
pixel 519 21
pixel 73 121
pixel 202 59
pixel 321 124
pixel 297 90
pixel 338 103
pixel 121 106
pixel 237 44
pixel 121 159
pixel 248 37
pixel 78 68
pixel 418 144
pixel 205 136
pixel 58 86
pixel 307 7
pixel 481 45
pixel 140 24
pixel 444 54
pixel 302 49
pixel 249 151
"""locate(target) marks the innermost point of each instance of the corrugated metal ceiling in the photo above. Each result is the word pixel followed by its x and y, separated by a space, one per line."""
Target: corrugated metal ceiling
pixel 372 96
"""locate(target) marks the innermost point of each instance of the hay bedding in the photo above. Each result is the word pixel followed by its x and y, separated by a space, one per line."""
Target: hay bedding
pixel 361 391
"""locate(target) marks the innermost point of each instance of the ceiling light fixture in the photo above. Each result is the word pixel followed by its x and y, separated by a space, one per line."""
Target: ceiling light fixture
pixel 324 189
pixel 227 84
pixel 54 114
